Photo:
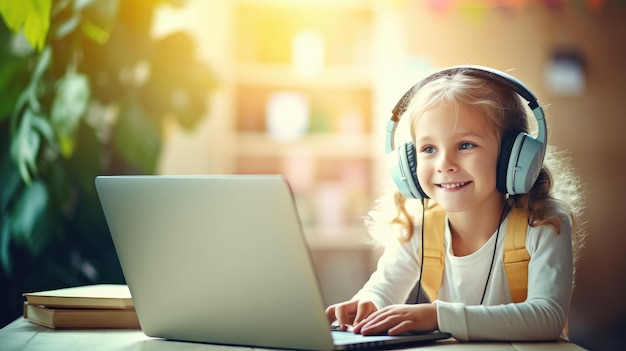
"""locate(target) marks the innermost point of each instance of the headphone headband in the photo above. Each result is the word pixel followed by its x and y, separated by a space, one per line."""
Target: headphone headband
pixel 526 154
pixel 488 73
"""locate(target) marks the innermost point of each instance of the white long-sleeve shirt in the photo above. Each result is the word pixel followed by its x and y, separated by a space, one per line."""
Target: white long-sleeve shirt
pixel 541 317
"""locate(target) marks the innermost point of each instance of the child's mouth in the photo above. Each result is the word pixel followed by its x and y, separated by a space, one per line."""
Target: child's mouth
pixel 452 186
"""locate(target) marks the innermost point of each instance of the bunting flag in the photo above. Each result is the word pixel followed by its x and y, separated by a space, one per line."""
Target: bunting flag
pixel 509 5
pixel 474 10
pixel 554 4
pixel 440 6
pixel 595 5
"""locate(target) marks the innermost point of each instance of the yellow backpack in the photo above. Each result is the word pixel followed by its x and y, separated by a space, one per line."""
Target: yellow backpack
pixel 516 256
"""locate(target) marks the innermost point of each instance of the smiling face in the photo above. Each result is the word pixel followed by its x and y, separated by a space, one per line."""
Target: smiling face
pixel 457 152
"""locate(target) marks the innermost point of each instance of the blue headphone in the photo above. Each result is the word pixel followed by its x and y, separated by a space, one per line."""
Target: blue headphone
pixel 521 155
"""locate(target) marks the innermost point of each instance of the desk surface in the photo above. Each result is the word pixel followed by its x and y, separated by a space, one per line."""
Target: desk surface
pixel 23 335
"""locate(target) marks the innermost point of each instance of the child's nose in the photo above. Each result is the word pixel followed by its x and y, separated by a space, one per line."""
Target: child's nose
pixel 447 163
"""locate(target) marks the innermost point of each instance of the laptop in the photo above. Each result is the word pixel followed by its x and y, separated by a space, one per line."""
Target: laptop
pixel 222 259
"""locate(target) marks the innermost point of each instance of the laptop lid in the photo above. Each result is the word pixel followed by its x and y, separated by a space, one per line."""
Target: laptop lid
pixel 217 259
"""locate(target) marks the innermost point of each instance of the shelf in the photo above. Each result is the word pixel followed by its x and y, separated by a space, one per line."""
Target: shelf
pixel 324 110
pixel 337 4
pixel 282 75
pixel 335 32
pixel 332 146
pixel 302 88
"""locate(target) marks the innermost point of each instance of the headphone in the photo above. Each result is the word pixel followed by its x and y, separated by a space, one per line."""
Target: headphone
pixel 521 155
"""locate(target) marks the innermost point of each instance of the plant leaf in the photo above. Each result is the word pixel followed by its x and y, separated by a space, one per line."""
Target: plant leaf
pixel 10 181
pixel 28 97
pixel 31 16
pixel 68 108
pixel 12 79
pixel 137 138
pixel 5 241
pixel 65 28
pixel 42 125
pixel 27 213
pixel 42 64
pixel 25 147
pixel 98 18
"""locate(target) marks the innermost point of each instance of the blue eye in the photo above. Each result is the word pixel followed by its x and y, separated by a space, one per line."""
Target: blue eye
pixel 466 145
pixel 428 149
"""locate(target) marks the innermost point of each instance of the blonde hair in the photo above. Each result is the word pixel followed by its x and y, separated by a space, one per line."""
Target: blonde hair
pixel 554 197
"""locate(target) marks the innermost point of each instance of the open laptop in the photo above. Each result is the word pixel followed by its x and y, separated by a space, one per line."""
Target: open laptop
pixel 222 259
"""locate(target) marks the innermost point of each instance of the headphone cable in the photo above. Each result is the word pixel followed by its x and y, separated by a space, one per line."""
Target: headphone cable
pixel 495 247
pixel 493 257
pixel 419 283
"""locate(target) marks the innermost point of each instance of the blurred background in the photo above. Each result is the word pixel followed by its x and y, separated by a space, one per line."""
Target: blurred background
pixel 301 88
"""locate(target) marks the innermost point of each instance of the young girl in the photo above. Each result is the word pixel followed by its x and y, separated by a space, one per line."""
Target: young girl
pixel 462 121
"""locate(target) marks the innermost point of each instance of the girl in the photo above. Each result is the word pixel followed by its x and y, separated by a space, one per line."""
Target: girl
pixel 461 122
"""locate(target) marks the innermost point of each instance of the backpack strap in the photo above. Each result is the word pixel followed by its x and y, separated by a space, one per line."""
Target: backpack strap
pixel 432 267
pixel 516 256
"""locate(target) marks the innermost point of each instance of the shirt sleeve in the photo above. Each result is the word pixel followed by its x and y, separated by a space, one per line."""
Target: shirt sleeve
pixel 396 275
pixel 544 313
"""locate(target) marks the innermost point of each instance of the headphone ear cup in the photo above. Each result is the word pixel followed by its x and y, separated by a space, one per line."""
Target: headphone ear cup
pixel 411 156
pixel 403 165
pixel 502 170
pixel 519 164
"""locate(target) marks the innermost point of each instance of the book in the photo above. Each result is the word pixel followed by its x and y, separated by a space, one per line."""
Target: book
pixel 81 318
pixel 109 296
pixel 90 306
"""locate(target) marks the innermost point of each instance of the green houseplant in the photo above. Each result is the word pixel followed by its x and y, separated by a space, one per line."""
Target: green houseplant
pixel 85 91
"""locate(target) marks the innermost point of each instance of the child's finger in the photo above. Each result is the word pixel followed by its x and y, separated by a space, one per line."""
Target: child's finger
pixel 364 310
pixel 330 314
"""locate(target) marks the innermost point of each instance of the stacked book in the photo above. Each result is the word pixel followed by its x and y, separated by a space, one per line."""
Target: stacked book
pixel 91 306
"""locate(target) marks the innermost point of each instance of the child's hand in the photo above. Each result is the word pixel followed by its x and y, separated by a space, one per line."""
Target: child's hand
pixel 350 313
pixel 399 319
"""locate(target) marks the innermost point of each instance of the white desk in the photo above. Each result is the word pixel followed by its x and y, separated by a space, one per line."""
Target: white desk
pixel 26 336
